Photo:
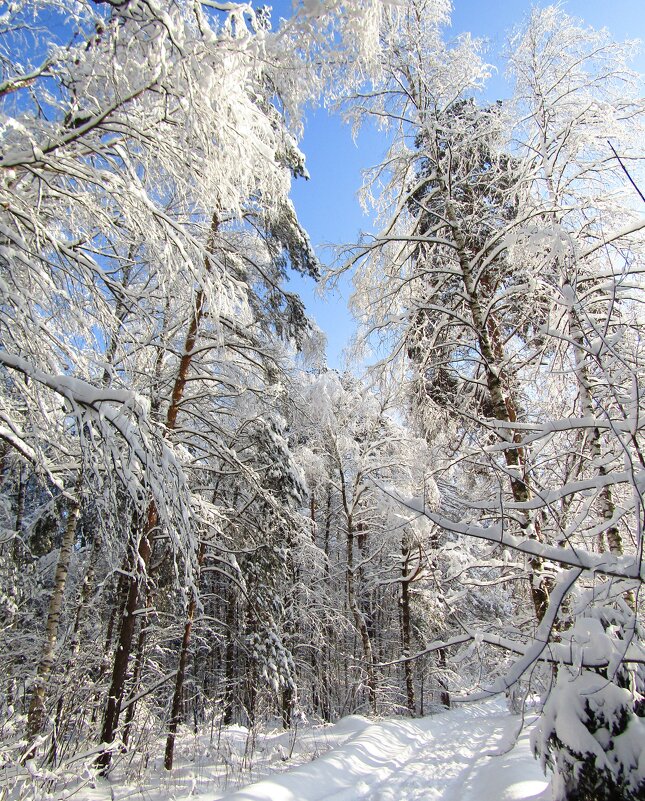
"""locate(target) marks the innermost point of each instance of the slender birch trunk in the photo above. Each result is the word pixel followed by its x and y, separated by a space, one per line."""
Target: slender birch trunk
pixel 37 712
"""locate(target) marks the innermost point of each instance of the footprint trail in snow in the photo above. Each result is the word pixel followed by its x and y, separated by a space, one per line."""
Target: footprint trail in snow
pixel 445 757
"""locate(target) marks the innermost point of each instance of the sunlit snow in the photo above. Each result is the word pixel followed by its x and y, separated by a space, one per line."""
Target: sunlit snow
pixel 470 753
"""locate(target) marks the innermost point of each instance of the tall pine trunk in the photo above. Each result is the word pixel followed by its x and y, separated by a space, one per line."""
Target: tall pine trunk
pixel 144 550
pixel 175 714
pixel 124 642
pixel 503 407
pixel 406 635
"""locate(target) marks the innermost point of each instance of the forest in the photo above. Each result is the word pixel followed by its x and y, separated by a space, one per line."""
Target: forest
pixel 201 524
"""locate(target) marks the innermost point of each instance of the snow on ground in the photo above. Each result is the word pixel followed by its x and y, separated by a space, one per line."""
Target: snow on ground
pixel 465 754
pixel 446 756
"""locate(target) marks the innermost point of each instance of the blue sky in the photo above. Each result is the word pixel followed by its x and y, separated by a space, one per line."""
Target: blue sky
pixel 327 204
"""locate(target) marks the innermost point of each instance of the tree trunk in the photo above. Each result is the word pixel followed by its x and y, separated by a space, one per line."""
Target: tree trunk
pixel 136 676
pixel 406 638
pixel 124 649
pixel 175 714
pixel 324 655
pixel 359 619
pixel 120 598
pixel 37 713
pixel 18 549
pixel 503 408
pixel 20 501
pixel 607 506
pixel 444 695
pixel 287 705
pixel 124 645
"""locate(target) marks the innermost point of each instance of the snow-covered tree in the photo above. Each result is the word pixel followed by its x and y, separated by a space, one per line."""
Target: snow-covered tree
pixel 505 283
pixel 146 234
pixel 190 525
pixel 351 446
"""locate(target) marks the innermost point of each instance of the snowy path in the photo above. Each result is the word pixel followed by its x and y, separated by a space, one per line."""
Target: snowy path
pixel 441 758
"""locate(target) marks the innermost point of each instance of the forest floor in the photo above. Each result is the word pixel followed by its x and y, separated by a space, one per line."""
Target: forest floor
pixel 471 753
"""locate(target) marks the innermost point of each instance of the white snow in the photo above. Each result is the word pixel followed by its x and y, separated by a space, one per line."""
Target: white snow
pixel 470 753
pixel 446 756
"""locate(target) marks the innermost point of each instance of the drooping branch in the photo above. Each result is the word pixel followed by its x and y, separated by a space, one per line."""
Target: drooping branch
pixel 625 567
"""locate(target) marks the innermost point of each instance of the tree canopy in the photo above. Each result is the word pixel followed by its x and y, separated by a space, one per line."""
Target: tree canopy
pixel 200 520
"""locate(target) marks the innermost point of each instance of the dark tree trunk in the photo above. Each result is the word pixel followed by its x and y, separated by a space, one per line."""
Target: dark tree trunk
pixel 287 707
pixel 139 655
pixel 229 659
pixel 175 714
pixel 444 695
pixel 124 643
pixel 406 631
